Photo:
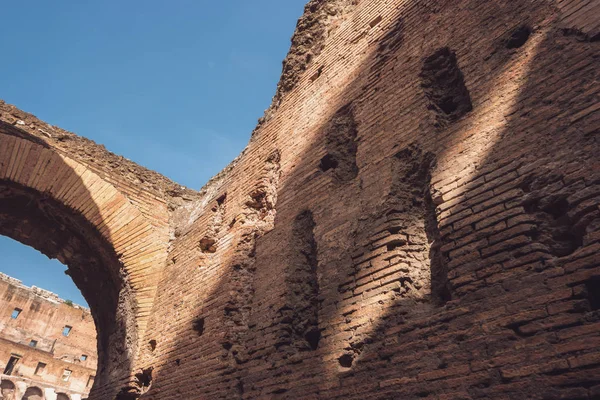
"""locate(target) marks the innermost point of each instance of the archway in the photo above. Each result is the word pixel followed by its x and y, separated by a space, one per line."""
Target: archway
pixel 7 390
pixel 62 396
pixel 63 209
pixel 33 393
pixel 44 224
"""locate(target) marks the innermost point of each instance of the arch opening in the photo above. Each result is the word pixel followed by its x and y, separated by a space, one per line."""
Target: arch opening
pixel 37 220
pixel 33 393
pixel 7 389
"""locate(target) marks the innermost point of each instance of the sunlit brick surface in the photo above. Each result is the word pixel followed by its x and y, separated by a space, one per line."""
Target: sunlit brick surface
pixel 449 251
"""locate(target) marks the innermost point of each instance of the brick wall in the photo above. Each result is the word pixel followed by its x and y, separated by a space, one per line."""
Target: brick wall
pixel 42 317
pixel 444 154
pixel 415 216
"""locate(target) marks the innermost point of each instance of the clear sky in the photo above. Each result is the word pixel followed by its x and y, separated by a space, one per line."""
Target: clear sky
pixel 176 86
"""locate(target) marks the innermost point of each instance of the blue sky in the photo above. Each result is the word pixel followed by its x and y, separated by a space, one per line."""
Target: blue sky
pixel 176 86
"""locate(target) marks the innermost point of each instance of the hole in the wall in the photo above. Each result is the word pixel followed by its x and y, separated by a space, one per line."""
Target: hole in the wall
pixel 142 383
pixel 227 345
pixel 257 199
pixel 328 162
pixel 518 37
pixel 554 227
pixel 557 209
pixel 394 244
pixel 198 326
pixel 346 360
pixel 375 22
pixel 144 379
pixel 313 337
pixel 394 230
pixel 341 145
pixel 592 286
pixel 299 316
pixel 410 198
pixel 444 86
pixel 221 199
pixel 317 74
pixel 208 245
pixel 152 345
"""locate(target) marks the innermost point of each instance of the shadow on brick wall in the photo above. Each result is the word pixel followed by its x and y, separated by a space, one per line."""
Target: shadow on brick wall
pixel 510 149
pixel 37 219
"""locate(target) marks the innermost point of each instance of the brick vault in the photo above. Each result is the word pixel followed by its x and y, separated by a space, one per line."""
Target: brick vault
pixel 415 216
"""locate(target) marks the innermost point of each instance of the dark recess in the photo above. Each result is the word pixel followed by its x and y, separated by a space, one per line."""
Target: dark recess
pixel 518 38
pixel 299 317
pixel 341 133
pixel 593 292
pixel 444 87
pixel 346 360
pixel 198 326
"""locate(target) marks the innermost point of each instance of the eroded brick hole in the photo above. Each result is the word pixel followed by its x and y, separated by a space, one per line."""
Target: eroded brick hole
pixel 299 317
pixel 411 192
pixel 341 133
pixel 257 218
pixel 444 86
pixel 198 326
pixel 152 345
pixel 592 287
pixel 208 245
pixel 144 379
pixel 346 360
pixel 518 37
pixel 140 385
pixel 328 162
pixel 554 227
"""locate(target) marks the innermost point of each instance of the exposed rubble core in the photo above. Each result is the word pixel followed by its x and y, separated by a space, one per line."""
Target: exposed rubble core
pixel 299 317
pixel 415 217
pixel 444 86
pixel 341 146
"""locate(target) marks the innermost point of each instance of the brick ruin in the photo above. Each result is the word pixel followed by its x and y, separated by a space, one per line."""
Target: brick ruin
pixel 47 345
pixel 416 216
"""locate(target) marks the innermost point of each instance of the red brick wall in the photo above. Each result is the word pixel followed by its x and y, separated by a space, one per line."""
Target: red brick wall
pixel 43 317
pixel 416 216
pixel 447 154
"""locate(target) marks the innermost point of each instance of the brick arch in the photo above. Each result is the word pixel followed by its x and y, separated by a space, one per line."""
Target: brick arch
pixel 67 211
pixel 33 393
pixel 7 389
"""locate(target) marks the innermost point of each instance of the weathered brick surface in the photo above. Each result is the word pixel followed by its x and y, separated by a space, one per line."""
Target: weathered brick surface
pixel 510 184
pixel 447 155
pixel 42 318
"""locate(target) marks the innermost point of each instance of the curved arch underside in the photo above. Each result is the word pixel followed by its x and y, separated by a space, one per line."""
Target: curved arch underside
pixel 67 211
